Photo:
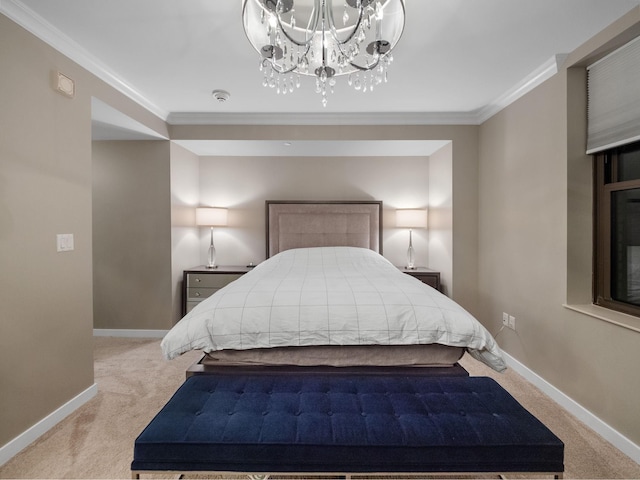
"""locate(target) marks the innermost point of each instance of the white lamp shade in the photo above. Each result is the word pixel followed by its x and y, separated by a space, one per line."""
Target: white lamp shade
pixel 211 217
pixel 411 218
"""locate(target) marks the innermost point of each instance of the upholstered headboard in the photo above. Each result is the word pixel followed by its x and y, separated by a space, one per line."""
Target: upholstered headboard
pixel 302 224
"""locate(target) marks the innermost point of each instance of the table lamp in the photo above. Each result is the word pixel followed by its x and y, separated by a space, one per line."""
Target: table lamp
pixel 211 217
pixel 411 218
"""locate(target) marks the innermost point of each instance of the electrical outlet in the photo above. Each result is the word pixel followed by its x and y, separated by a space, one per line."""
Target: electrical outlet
pixel 512 322
pixel 505 319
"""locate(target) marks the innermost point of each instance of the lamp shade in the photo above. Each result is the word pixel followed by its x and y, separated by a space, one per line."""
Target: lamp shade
pixel 211 217
pixel 411 218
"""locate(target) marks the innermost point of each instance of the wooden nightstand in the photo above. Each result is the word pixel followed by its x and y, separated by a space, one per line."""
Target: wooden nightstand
pixel 201 282
pixel 425 275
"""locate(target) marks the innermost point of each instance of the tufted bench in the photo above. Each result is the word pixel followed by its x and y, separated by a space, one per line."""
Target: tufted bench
pixel 345 424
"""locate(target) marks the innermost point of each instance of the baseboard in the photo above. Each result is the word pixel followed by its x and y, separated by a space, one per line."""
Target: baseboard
pixel 11 449
pixel 614 437
pixel 128 333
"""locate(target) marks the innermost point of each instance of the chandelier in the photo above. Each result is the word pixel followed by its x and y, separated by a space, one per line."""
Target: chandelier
pixel 325 39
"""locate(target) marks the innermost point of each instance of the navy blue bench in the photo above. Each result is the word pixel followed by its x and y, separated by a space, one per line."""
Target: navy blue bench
pixel 345 424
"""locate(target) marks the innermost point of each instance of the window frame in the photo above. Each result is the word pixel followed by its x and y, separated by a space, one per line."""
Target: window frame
pixel 602 231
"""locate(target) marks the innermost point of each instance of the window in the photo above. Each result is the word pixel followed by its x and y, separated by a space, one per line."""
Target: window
pixel 617 229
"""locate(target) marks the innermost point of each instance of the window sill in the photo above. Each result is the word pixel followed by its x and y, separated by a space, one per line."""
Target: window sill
pixel 617 318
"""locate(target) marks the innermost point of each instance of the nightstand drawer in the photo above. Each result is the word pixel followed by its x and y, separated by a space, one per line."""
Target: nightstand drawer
pixel 431 280
pixel 189 305
pixel 205 280
pixel 200 293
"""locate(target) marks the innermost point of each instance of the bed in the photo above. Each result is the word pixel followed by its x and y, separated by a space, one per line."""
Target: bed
pixel 359 313
pixel 324 344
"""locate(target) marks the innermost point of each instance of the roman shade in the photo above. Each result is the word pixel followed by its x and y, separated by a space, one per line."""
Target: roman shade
pixel 614 99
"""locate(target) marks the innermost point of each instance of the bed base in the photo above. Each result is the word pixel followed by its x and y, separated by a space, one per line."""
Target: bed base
pixel 359 425
pixel 200 368
pixel 349 476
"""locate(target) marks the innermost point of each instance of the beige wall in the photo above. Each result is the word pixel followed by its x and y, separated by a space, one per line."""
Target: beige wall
pixel 535 224
pixel 46 297
pixel 462 171
pixel 440 220
pixel 185 196
pixel 45 189
pixel 522 241
pixel 132 235
pixel 244 183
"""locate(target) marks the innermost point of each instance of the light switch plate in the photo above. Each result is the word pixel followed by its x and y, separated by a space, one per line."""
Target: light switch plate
pixel 64 242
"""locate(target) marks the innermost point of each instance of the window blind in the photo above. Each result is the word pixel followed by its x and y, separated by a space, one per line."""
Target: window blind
pixel 614 99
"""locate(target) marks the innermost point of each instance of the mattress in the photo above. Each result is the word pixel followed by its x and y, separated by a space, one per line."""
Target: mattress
pixel 384 423
pixel 432 355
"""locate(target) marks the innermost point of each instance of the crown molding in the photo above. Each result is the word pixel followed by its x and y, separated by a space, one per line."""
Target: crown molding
pixel 38 26
pixel 534 79
pixel 370 118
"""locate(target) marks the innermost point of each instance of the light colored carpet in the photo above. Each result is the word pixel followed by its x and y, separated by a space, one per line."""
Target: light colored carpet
pixel 134 382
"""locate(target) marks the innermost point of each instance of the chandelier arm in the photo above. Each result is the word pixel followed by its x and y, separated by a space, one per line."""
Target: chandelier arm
pixel 340 45
pixel 380 56
pixel 311 26
pixel 366 69
pixel 334 30
pixel 290 38
pixel 278 69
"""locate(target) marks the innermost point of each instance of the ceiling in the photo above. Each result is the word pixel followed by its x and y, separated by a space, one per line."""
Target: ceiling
pixel 458 61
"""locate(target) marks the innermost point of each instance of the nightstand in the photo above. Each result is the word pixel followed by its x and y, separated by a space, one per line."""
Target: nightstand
pixel 425 275
pixel 201 282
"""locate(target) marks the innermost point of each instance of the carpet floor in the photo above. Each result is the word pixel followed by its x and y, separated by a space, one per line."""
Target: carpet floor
pixel 134 382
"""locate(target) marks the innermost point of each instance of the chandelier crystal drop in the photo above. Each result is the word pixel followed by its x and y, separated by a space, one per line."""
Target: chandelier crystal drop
pixel 324 39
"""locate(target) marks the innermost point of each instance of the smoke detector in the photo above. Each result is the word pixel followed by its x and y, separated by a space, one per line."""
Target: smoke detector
pixel 221 95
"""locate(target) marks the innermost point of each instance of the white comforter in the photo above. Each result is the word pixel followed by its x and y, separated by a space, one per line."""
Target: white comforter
pixel 328 296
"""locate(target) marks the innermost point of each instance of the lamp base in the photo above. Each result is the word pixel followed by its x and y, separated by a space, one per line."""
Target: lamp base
pixel 211 254
pixel 411 255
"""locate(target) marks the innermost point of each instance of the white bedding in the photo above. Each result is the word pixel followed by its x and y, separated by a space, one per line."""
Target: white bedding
pixel 328 296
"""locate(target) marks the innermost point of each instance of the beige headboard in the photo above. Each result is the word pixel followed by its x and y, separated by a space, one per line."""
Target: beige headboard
pixel 323 224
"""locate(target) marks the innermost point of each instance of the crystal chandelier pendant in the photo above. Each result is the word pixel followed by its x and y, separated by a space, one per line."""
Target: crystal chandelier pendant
pixel 305 37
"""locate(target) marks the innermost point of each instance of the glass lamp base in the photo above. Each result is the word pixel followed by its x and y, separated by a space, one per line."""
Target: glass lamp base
pixel 211 257
pixel 411 258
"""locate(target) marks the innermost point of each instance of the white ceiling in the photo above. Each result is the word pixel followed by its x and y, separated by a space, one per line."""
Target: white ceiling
pixel 459 61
